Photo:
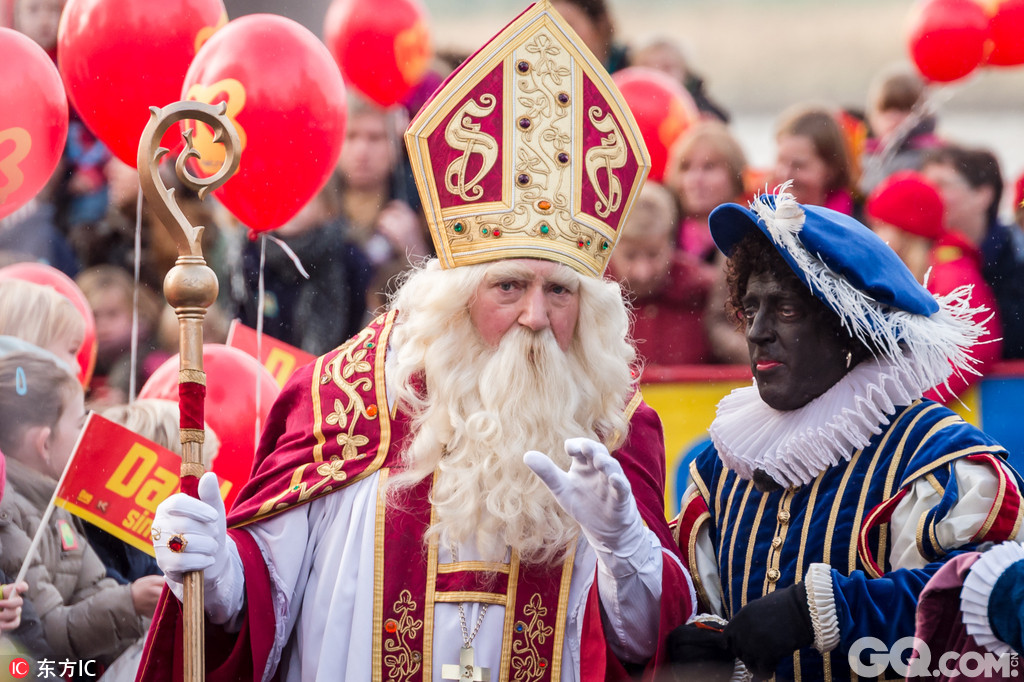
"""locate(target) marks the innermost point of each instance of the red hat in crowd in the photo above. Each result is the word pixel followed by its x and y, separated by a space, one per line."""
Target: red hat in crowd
pixel 906 200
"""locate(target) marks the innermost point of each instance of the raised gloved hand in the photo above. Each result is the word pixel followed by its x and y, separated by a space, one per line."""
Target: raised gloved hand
pixel 597 494
pixel 190 534
pixel 771 628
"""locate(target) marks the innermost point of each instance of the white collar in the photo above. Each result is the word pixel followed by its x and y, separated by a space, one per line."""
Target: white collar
pixel 794 446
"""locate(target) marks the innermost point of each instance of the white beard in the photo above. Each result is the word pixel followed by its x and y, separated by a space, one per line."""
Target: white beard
pixel 521 396
pixel 484 407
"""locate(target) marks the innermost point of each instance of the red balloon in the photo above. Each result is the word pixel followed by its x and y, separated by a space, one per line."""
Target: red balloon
pixel 383 48
pixel 120 57
pixel 1006 26
pixel 285 95
pixel 40 273
pixel 663 110
pixel 232 377
pixel 947 38
pixel 33 119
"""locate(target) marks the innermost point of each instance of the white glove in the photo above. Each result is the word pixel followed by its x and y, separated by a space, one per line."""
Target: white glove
pixel 596 493
pixel 202 523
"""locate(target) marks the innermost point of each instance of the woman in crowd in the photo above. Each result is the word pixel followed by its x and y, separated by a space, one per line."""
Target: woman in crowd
pixel 708 168
pixel 811 151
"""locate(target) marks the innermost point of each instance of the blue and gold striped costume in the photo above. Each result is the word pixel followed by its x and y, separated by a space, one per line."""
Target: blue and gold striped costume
pixel 764 541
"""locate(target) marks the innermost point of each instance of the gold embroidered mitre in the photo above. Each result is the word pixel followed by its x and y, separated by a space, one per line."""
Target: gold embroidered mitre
pixel 528 151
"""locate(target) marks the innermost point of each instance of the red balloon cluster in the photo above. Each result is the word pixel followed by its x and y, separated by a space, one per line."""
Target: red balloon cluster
pixel 120 57
pixel 39 273
pixel 231 411
pixel 33 119
pixel 383 48
pixel 286 98
pixel 1006 28
pixel 948 39
pixel 663 110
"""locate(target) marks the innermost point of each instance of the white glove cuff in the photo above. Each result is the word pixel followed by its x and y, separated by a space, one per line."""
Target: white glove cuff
pixel 223 588
pixel 629 552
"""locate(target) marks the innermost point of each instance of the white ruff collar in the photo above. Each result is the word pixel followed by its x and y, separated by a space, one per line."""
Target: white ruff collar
pixel 794 446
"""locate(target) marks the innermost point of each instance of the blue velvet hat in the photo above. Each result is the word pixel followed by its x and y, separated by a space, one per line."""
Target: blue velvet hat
pixel 855 273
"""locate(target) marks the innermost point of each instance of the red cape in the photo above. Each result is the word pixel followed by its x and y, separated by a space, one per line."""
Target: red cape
pixel 329 428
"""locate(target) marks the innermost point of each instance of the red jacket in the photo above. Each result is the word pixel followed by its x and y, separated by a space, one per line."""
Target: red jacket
pixel 955 262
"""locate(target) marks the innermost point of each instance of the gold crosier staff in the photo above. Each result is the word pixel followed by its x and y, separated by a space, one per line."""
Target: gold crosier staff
pixel 190 288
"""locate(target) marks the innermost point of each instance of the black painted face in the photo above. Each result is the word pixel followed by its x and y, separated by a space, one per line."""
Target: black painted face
pixel 796 350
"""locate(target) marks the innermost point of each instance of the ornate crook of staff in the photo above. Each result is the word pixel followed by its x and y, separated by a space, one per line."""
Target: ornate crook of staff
pixel 190 288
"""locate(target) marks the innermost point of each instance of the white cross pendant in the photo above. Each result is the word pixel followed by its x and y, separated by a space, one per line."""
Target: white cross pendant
pixel 465 671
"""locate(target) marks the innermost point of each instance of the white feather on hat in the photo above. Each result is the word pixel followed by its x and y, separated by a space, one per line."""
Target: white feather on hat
pixel 928 349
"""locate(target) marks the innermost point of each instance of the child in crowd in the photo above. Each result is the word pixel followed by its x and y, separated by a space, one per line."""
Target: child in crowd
pixel 669 286
pixel 85 615
pixel 20 629
pixel 38 315
pixel 110 291
pixel 157 420
pixel 901 131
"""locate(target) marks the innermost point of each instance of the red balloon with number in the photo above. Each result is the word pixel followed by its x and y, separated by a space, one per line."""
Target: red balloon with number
pixel 1006 28
pixel 383 48
pixel 233 378
pixel 120 57
pixel 286 98
pixel 947 38
pixel 40 273
pixel 33 119
pixel 663 110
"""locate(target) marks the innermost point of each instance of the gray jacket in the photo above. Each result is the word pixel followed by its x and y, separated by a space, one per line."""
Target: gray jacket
pixel 85 615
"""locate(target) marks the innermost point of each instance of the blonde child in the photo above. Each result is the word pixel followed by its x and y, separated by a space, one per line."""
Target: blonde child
pixel 39 315
pixel 85 615
pixel 157 420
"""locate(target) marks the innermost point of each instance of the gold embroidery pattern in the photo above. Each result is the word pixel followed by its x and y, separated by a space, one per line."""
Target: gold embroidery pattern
pixel 609 156
pixel 527 664
pixel 542 126
pixel 351 372
pixel 463 134
pixel 401 662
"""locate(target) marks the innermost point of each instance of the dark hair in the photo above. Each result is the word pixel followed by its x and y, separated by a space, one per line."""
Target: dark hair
pixel 821 127
pixel 34 391
pixel 755 255
pixel 979 167
pixel 898 90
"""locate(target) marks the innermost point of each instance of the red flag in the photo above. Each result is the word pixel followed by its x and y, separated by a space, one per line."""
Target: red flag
pixel 116 478
pixel 280 358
